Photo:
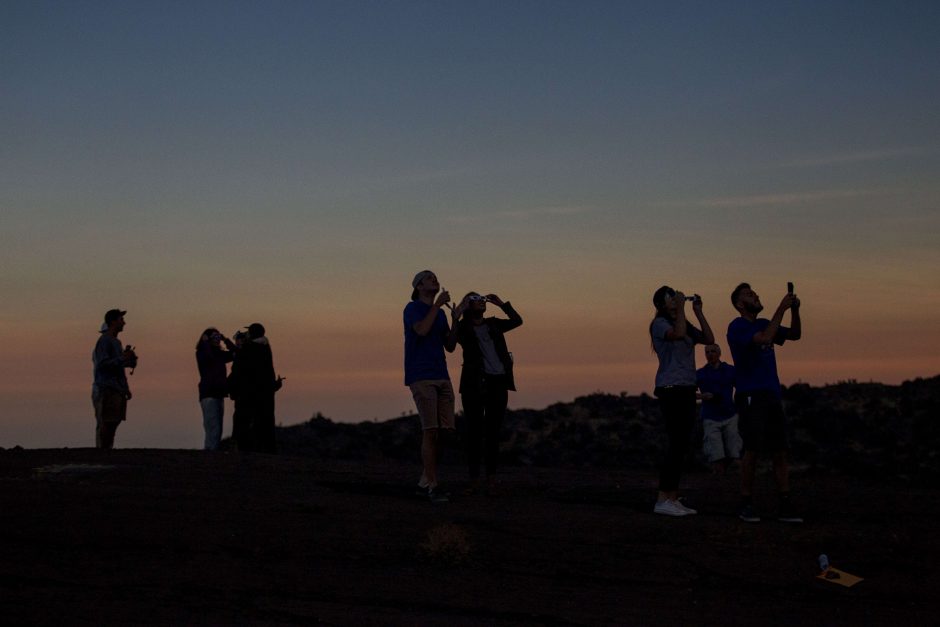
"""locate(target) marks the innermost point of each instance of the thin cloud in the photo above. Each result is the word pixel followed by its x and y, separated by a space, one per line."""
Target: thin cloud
pixel 770 200
pixel 518 214
pixel 886 154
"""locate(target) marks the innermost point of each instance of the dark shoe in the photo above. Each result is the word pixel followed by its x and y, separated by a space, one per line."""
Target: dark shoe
pixel 787 515
pixel 436 496
pixel 747 514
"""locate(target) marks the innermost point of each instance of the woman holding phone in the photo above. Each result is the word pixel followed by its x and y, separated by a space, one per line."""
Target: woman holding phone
pixel 674 339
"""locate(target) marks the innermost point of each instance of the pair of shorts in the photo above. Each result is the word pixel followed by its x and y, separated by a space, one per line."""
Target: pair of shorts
pixel 721 439
pixel 110 405
pixel 435 402
pixel 762 423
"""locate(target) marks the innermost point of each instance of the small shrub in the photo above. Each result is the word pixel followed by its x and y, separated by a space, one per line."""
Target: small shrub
pixel 447 543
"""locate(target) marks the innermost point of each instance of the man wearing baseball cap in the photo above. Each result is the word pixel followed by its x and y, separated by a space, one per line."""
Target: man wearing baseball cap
pixel 427 336
pixel 110 391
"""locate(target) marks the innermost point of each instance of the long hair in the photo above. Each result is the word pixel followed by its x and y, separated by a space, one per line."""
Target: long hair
pixel 206 335
pixel 659 302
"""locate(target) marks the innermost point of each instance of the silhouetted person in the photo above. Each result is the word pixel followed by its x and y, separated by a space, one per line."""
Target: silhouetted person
pixel 721 442
pixel 255 383
pixel 762 423
pixel 427 336
pixel 485 379
pixel 241 420
pixel 110 391
pixel 674 340
pixel 213 384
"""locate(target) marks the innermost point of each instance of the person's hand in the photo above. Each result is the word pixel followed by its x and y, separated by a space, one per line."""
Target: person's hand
pixel 496 300
pixel 443 298
pixel 788 301
pixel 796 303
pixel 697 304
pixel 457 311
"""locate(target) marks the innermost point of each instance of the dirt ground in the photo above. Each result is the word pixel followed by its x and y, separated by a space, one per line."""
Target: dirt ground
pixel 192 538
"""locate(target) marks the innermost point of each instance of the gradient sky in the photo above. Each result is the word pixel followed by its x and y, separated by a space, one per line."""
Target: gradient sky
pixel 295 163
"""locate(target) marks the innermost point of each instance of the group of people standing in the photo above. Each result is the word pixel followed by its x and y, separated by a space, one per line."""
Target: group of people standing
pixel 756 411
pixel 251 384
pixel 486 379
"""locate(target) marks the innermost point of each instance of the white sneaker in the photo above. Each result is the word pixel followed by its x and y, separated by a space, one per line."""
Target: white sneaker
pixel 670 508
pixel 688 510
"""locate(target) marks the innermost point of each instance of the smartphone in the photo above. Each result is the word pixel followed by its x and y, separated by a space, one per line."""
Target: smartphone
pixel 789 287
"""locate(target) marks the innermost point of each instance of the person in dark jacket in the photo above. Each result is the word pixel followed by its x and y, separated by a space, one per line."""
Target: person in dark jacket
pixel 254 384
pixel 211 360
pixel 486 378
pixel 241 427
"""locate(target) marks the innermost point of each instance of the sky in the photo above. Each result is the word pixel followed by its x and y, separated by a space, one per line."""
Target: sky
pixel 296 163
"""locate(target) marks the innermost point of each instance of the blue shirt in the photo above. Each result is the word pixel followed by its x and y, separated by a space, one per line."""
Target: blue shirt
pixel 755 365
pixel 720 383
pixel 424 356
pixel 676 357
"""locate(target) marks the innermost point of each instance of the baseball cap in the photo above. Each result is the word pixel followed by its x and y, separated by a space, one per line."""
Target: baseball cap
pixel 113 314
pixel 418 278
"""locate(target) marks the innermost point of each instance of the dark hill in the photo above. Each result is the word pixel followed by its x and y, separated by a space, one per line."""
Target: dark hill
pixel 866 429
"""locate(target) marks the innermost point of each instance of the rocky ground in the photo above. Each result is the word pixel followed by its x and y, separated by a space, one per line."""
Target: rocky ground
pixel 191 538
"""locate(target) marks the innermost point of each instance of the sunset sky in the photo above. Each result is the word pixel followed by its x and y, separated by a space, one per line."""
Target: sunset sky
pixel 296 163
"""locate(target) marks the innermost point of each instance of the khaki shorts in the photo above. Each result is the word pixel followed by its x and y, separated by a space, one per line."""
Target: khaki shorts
pixel 435 402
pixel 721 439
pixel 110 406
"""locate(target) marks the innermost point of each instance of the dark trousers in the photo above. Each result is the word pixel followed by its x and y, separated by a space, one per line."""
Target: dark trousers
pixel 483 414
pixel 677 404
pixel 253 425
pixel 241 426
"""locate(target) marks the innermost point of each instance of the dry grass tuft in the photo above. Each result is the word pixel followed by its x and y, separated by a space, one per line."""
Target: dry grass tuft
pixel 447 543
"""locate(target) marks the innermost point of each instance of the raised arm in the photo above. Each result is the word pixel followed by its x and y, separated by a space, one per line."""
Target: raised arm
pixel 796 325
pixel 770 332
pixel 424 326
pixel 514 321
pixel 708 335
pixel 678 330
pixel 456 325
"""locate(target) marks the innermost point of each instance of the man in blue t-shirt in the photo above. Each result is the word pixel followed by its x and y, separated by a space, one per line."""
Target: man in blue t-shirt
pixel 762 421
pixel 721 442
pixel 427 336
